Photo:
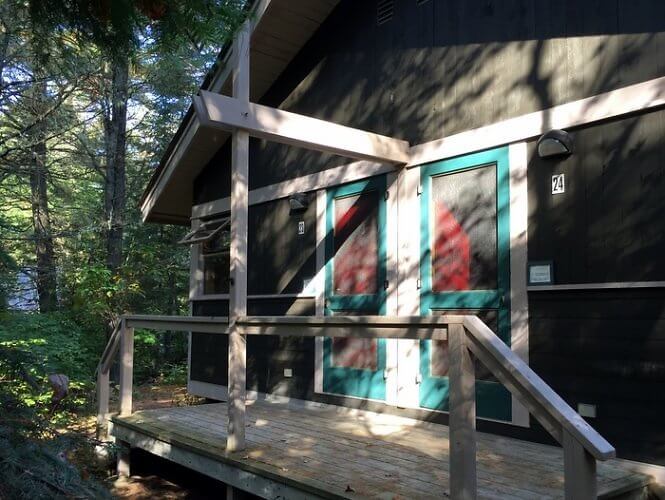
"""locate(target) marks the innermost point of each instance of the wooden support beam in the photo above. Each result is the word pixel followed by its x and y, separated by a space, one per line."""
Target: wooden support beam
pixel 123 463
pixel 126 368
pixel 102 404
pixel 203 324
pixel 579 468
pixel 373 327
pixel 238 294
pixel 228 113
pixel 462 421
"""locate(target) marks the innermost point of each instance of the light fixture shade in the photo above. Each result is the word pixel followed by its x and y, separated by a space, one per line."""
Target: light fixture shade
pixel 298 202
pixel 555 143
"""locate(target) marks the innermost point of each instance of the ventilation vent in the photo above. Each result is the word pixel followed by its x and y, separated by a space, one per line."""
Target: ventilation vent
pixel 420 2
pixel 384 11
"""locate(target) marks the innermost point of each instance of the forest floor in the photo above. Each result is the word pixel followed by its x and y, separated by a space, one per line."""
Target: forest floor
pixel 152 478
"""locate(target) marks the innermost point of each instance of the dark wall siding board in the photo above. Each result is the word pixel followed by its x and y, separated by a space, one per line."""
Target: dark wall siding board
pixel 267 357
pixel 608 225
pixel 451 65
pixel 215 180
pixel 279 259
pixel 606 348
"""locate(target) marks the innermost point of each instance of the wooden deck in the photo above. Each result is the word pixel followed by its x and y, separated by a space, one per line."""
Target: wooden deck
pixel 298 451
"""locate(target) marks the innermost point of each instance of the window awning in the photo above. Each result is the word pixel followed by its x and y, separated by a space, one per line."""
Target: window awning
pixel 206 231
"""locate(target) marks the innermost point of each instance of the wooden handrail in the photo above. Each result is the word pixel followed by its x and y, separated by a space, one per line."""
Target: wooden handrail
pixel 466 334
pixel 543 403
pixel 111 347
pixel 405 327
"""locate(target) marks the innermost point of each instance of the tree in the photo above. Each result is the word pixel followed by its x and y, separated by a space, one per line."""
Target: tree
pixel 117 29
pixel 41 220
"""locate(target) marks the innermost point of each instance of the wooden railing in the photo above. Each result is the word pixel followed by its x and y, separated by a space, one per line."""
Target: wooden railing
pixel 466 335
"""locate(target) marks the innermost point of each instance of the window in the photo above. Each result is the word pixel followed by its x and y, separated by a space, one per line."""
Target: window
pixel 214 238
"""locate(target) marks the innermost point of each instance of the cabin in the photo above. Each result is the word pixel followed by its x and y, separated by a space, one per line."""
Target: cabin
pixel 427 243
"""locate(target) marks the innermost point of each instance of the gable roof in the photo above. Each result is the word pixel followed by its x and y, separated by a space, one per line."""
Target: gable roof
pixel 279 29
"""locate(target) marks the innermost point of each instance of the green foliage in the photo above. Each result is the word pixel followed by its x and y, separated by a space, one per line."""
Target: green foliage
pixel 120 25
pixel 34 459
pixel 174 374
pixel 69 48
pixel 32 346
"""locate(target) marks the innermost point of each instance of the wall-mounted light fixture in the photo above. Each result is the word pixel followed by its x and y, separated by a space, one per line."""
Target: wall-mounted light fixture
pixel 554 144
pixel 298 202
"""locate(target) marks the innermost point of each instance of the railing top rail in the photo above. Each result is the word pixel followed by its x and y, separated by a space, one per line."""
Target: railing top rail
pixel 204 324
pixel 416 327
pixel 374 321
pixel 111 347
pixel 541 400
pixel 176 319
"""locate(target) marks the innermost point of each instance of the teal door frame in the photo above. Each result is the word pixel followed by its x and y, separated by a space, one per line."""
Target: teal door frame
pixel 492 399
pixel 355 382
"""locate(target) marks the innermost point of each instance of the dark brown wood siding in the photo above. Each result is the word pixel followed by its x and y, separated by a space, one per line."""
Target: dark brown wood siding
pixel 267 357
pixel 608 225
pixel 446 66
pixel 604 347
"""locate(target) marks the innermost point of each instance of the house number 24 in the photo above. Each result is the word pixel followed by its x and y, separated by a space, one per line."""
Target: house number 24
pixel 558 184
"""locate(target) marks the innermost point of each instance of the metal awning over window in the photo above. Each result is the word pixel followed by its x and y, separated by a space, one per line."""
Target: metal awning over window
pixel 206 232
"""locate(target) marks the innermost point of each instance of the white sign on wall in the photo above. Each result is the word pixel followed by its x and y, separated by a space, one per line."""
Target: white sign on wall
pixel 540 273
pixel 558 184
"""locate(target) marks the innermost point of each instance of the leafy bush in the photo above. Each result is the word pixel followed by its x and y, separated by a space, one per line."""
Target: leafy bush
pixel 34 458
pixel 32 346
pixel 174 374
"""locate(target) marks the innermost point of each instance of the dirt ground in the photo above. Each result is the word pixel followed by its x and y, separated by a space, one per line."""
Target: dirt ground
pixel 152 478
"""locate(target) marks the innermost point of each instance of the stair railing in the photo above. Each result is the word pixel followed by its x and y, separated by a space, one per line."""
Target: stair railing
pixel 466 336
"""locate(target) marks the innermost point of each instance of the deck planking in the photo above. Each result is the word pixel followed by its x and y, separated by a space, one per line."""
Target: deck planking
pixel 336 452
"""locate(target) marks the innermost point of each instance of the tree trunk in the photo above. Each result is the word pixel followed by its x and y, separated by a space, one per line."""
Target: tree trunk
pixel 115 181
pixel 41 222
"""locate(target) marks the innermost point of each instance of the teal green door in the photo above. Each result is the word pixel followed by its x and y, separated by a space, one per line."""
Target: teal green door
pixel 355 276
pixel 465 265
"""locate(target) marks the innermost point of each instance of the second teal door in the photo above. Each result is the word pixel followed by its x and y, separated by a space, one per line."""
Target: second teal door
pixel 465 265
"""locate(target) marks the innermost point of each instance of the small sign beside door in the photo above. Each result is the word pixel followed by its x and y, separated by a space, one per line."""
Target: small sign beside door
pixel 558 184
pixel 540 273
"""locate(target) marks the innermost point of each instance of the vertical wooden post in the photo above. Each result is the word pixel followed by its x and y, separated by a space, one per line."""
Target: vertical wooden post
pixel 102 404
pixel 579 469
pixel 238 296
pixel 123 464
pixel 126 368
pixel 462 420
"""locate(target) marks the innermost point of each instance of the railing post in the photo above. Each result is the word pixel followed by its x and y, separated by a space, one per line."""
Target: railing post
pixel 579 469
pixel 102 404
pixel 462 420
pixel 126 368
pixel 237 374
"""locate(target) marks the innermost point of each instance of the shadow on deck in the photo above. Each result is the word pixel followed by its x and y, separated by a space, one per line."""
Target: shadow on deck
pixel 323 451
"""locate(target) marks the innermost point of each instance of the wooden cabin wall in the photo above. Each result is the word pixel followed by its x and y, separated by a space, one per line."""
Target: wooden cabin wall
pixel 281 259
pixel 604 347
pixel 444 66
pixel 267 357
